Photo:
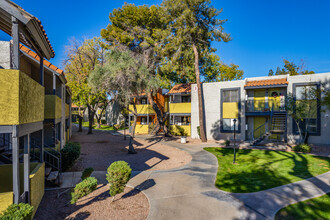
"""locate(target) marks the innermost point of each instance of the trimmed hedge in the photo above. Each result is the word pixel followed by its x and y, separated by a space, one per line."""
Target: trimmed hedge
pixel 21 211
pixel 118 175
pixel 304 148
pixel 87 173
pixel 83 188
pixel 70 153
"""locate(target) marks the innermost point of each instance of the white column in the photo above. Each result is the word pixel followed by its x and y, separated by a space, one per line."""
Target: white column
pixel 15 151
pixel 27 167
pixel 15 64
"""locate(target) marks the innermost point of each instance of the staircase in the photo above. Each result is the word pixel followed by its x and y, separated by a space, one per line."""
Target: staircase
pixel 278 123
pixel 278 126
pixel 53 165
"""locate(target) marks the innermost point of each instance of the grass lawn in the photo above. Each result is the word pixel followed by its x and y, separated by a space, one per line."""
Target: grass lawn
pixel 317 208
pixel 103 127
pixel 257 170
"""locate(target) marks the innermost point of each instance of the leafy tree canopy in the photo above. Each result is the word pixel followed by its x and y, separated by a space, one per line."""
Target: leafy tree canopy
pixel 290 68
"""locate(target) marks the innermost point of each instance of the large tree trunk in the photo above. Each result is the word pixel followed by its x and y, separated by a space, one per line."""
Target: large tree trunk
pixel 200 96
pixel 134 125
pixel 160 116
pixel 90 119
pixel 80 123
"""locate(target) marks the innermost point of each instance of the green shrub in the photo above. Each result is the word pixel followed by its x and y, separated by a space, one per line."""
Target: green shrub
pixel 304 148
pixel 87 173
pixel 70 153
pixel 118 175
pixel 199 131
pixel 103 122
pixel 179 131
pixel 21 211
pixel 227 143
pixel 83 188
pixel 116 126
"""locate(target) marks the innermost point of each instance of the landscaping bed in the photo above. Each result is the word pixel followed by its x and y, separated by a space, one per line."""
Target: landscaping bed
pixel 317 208
pixel 257 170
pixel 103 127
pixel 97 205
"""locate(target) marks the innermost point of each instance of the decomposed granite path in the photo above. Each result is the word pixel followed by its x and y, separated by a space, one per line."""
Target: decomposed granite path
pixel 189 192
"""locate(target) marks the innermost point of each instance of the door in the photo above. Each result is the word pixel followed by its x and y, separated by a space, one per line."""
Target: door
pixel 274 99
pixel 259 100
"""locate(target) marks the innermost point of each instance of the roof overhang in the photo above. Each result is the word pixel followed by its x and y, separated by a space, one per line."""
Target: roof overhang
pixel 265 87
pixel 31 32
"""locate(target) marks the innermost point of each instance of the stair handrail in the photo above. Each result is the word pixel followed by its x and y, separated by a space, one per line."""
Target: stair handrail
pixel 258 129
pixel 54 156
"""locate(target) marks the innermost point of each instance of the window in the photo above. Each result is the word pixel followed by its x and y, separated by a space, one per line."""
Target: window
pixel 185 99
pixel 228 124
pixel 144 101
pixel 230 95
pixel 144 120
pixel 307 99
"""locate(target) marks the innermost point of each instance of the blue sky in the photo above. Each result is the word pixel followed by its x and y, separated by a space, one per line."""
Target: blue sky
pixel 263 31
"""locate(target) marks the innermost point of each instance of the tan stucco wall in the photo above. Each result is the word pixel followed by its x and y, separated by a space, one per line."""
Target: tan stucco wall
pixel 37 185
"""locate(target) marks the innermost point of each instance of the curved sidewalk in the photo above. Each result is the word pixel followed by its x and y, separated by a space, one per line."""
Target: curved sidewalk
pixel 189 192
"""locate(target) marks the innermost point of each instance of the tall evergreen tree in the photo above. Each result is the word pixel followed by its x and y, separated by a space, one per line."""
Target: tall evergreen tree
pixel 193 25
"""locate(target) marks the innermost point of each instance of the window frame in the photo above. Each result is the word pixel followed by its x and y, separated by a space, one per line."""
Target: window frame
pixel 222 130
pixel 318 111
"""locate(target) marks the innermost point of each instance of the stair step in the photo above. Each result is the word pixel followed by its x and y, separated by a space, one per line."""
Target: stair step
pixel 47 171
pixel 52 176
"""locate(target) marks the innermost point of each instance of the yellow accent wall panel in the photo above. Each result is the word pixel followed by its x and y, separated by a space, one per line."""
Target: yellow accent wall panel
pixel 21 98
pixel 276 101
pixel 143 109
pixel 9 97
pixel 31 100
pixel 141 129
pixel 258 121
pixel 180 107
pixel 186 128
pixel 37 185
pixel 229 110
pixel 53 107
pixel 6 199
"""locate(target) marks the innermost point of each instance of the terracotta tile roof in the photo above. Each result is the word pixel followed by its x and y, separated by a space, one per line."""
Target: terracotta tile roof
pixel 181 88
pixel 267 82
pixel 35 56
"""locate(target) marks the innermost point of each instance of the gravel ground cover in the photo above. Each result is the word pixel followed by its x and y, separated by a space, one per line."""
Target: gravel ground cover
pixel 131 204
pixel 100 149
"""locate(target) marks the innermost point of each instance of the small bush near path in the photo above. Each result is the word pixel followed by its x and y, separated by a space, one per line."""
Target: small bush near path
pixel 258 170
pixel 103 127
pixel 70 153
pixel 87 173
pixel 303 148
pixel 83 188
pixel 317 208
pixel 118 175
pixel 21 211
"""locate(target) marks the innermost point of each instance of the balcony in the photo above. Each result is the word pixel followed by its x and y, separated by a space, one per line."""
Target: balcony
pixel 53 107
pixel 180 107
pixel 21 99
pixel 263 106
pixel 67 110
pixel 143 109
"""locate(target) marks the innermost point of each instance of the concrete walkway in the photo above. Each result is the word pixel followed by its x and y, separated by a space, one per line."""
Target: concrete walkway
pixel 189 192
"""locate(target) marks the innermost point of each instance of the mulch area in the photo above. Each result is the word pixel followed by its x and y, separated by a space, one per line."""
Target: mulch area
pixel 131 204
pixel 100 149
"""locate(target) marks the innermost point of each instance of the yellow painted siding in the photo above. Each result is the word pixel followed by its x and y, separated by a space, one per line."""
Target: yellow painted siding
pixel 230 110
pixel 186 128
pixel 180 108
pixel 53 107
pixel 259 99
pixel 143 109
pixel 166 104
pixel 141 129
pixel 6 199
pixel 21 99
pixel 37 185
pixel 31 100
pixel 67 110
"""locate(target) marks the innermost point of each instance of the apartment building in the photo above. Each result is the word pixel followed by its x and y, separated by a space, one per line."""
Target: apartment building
pixel 146 115
pixel 256 108
pixel 34 109
pixel 180 108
